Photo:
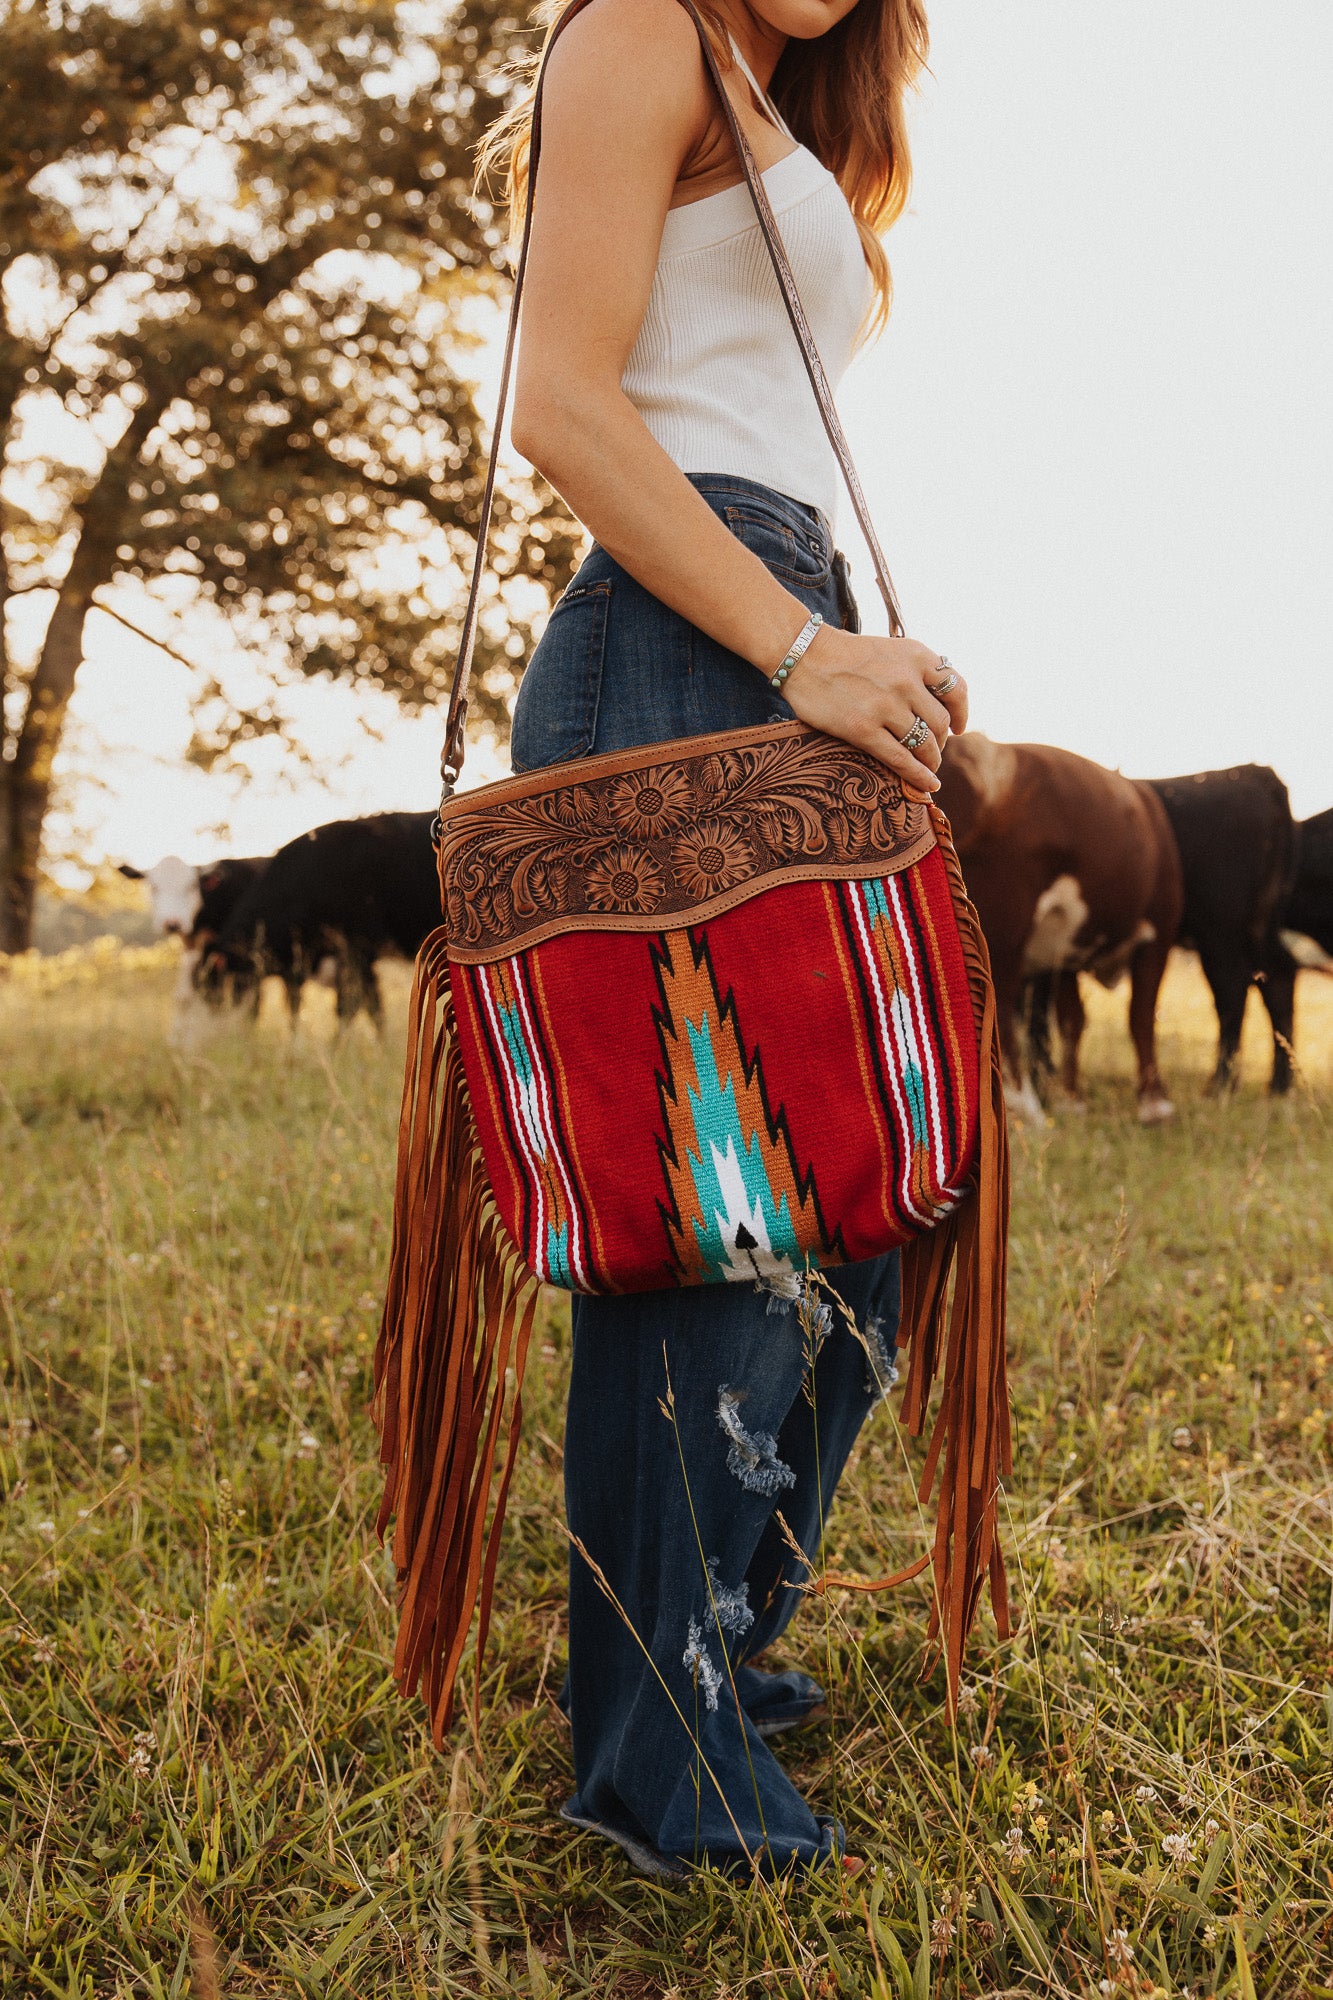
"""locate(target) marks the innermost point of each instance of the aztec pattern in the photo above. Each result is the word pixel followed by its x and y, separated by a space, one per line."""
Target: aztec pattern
pixel 912 1057
pixel 551 1233
pixel 661 1110
pixel 736 1207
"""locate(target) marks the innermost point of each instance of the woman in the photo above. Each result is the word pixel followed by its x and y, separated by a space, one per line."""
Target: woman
pixel 661 391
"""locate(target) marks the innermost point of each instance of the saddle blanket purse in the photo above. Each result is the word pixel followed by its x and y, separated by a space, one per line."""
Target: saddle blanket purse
pixel 709 1011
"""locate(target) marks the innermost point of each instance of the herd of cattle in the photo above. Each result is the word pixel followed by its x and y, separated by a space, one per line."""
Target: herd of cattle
pixel 1073 868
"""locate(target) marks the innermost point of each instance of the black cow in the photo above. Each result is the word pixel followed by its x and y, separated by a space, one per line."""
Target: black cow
pixel 1302 936
pixel 1306 917
pixel 1237 844
pixel 350 891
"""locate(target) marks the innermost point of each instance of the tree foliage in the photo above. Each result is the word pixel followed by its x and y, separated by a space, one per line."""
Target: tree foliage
pixel 240 257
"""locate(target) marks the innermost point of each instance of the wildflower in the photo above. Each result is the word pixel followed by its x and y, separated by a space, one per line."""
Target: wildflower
pixel 1067 1411
pixel 1211 1829
pixel 47 1528
pixel 308 1445
pixel 981 1756
pixel 1182 1437
pixel 118 1454
pixel 968 1701
pixel 983 1934
pixel 141 1756
pixel 1176 1847
pixel 1210 1935
pixel 941 1936
pixel 1119 1949
pixel 43 1652
pixel 302 1379
pixel 1040 1823
pixel 1015 1849
pixel 49 1576
pixel 1145 1794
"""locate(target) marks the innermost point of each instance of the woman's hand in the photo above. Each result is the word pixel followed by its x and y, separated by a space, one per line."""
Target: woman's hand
pixel 869 691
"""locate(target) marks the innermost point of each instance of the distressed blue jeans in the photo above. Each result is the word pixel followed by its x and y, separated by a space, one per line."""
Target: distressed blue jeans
pixel 707 1428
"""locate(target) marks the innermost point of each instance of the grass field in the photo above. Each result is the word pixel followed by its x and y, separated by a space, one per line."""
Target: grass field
pixel 210 1785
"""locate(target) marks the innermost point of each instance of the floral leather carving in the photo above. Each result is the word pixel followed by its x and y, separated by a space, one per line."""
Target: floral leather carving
pixel 668 834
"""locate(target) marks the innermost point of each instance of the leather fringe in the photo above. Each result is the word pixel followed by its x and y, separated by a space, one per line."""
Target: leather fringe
pixel 449 1361
pixel 971 1429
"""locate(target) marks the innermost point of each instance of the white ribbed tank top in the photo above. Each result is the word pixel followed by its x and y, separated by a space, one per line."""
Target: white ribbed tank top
pixel 716 372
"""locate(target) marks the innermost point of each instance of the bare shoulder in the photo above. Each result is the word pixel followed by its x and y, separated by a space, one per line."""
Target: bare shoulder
pixel 635 60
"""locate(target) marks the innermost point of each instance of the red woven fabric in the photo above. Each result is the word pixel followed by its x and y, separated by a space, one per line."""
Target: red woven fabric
pixel 705 1104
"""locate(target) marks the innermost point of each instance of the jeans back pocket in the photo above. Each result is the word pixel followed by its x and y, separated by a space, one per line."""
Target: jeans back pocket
pixel 555 716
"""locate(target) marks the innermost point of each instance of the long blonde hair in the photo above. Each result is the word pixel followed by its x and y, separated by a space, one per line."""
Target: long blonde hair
pixel 842 93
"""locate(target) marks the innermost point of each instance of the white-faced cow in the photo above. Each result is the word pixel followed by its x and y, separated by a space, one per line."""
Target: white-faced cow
pixel 1072 868
pixel 351 891
pixel 193 903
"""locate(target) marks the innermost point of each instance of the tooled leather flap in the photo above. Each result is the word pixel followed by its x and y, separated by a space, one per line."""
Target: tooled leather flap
pixel 668 834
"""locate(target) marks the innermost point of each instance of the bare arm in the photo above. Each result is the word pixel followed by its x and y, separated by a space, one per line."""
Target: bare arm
pixel 627 106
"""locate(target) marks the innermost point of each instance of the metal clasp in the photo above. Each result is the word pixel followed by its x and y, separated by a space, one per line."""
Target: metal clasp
pixel 448 780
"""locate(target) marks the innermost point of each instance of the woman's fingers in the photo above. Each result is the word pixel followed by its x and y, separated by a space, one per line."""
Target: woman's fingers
pixel 905 764
pixel 937 718
pixel 954 699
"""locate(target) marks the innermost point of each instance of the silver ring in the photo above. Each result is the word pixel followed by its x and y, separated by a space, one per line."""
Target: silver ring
pixel 950 680
pixel 916 735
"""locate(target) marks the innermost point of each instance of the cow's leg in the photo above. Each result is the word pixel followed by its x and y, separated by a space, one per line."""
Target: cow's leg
pixel 1072 1017
pixel 185 1010
pixel 1038 993
pixel 374 999
pixel 1228 974
pixel 1007 975
pixel 1277 987
pixel 357 986
pixel 1146 969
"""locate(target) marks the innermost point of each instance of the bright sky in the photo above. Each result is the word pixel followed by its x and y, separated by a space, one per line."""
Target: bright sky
pixel 1097 438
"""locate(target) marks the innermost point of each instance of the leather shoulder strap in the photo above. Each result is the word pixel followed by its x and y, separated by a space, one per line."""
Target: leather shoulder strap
pixel 451 762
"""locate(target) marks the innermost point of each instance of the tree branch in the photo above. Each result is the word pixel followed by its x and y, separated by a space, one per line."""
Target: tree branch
pixel 139 633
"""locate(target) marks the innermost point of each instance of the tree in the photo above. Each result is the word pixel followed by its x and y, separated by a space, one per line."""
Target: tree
pixel 239 250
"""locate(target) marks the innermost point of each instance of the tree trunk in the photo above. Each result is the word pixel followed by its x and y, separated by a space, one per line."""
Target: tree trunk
pixel 30 772
pixel 25 781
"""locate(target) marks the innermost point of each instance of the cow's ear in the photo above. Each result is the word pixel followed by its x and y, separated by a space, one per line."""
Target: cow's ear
pixel 133 874
pixel 212 880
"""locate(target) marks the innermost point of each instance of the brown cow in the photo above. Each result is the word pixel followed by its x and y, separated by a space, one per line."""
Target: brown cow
pixel 1071 866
